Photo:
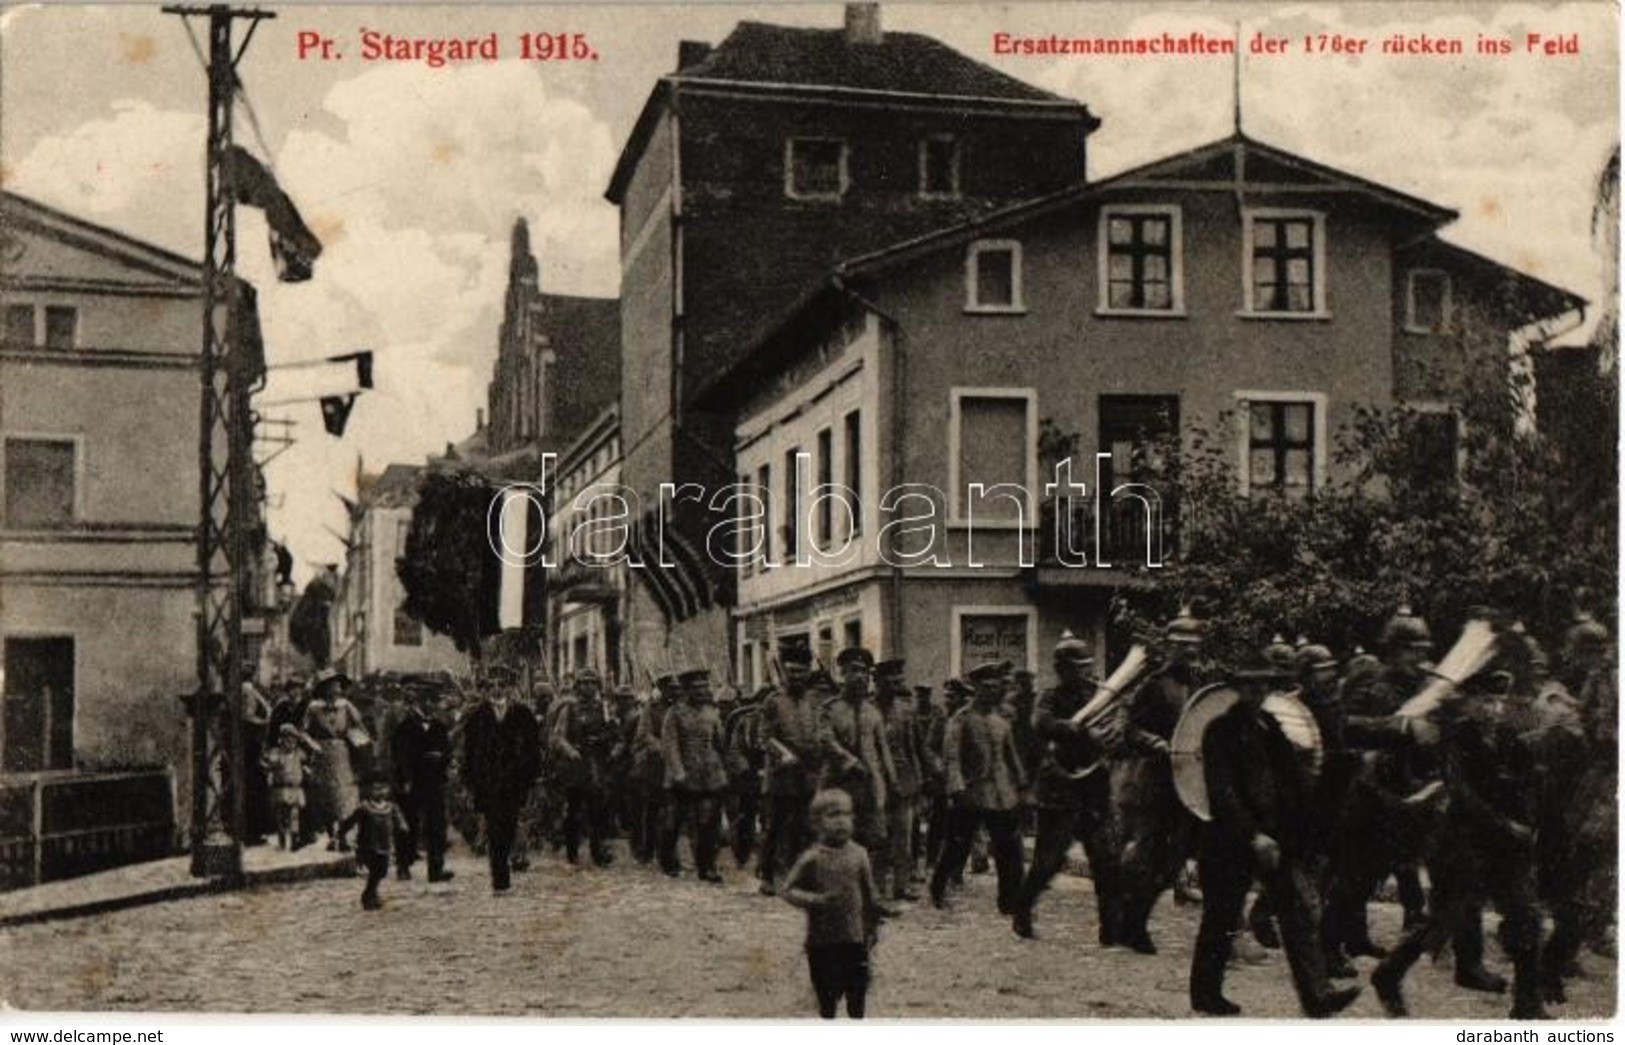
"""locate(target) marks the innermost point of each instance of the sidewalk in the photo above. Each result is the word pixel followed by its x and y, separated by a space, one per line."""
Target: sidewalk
pixel 160 880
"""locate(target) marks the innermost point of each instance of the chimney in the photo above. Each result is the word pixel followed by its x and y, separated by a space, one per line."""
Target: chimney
pixel 691 52
pixel 863 24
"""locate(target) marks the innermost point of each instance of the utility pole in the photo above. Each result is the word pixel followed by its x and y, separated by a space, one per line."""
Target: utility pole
pixel 226 487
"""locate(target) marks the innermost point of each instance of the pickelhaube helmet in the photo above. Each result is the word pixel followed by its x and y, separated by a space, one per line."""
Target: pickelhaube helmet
pixel 1280 654
pixel 1361 666
pixel 1185 628
pixel 1312 656
pixel 1585 635
pixel 1405 628
pixel 1074 650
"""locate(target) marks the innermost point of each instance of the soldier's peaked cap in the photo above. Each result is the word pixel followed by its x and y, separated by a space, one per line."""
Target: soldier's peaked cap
pixel 891 667
pixel 587 675
pixel 667 680
pixel 794 653
pixel 989 672
pixel 855 655
pixel 694 677
pixel 501 674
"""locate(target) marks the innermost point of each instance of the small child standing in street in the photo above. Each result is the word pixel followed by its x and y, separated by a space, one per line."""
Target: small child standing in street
pixel 285 770
pixel 834 884
pixel 377 820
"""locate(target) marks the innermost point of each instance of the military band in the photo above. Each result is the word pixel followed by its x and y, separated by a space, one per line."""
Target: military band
pixel 1294 777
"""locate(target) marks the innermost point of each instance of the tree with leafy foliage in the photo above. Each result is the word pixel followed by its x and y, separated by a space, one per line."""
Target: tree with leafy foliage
pixel 308 621
pixel 448 569
pixel 1521 523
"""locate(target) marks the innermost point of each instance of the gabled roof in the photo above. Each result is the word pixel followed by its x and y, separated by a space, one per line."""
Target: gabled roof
pixel 1530 298
pixel 148 265
pixel 1238 161
pixel 908 63
pixel 586 332
pixel 787 60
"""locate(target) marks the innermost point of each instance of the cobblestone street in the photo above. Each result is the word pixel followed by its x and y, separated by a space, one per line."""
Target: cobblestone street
pixel 628 942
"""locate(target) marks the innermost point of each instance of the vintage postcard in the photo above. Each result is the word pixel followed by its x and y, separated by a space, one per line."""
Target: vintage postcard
pixel 979 511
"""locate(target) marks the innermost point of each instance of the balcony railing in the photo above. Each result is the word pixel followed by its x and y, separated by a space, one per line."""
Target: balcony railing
pixel 1121 542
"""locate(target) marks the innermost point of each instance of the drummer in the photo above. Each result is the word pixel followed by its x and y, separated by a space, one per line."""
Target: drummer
pixel 1260 797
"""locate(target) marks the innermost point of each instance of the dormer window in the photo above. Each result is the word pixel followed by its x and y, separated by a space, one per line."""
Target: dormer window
pixel 1141 266
pixel 993 277
pixel 1427 301
pixel 1286 264
pixel 815 168
pixel 939 167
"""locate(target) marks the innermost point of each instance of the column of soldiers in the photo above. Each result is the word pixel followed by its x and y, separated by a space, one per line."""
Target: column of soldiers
pixel 1505 796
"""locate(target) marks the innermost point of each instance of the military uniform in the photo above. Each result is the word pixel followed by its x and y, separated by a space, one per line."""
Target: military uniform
pixel 902 805
pixel 983 781
pixel 742 754
pixel 1485 851
pixel 790 736
pixel 582 742
pixel 857 758
pixel 691 740
pixel 1074 801
pixel 1261 801
pixel 658 825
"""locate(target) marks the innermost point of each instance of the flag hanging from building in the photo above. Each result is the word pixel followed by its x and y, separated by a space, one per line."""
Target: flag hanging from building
pixel 294 247
pixel 336 412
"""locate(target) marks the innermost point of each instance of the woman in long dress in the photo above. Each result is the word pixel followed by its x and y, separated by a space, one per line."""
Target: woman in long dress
pixel 334 723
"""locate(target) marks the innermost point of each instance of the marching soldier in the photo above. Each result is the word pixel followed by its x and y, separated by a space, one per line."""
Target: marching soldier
pixel 926 715
pixel 1382 830
pixel 582 742
pixel 956 698
pixel 790 735
pixel 1261 802
pixel 902 805
pixel 1486 851
pixel 743 756
pixel 419 756
pixel 1074 790
pixel 1577 872
pixel 658 818
pixel 857 758
pixel 983 783
pixel 692 742
pixel 1159 834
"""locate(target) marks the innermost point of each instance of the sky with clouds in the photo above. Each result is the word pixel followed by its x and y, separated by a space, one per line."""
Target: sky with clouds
pixel 413 176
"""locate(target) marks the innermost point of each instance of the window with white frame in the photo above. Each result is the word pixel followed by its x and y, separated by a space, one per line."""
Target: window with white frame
pixel 764 489
pixel 1286 263
pixel 939 167
pixel 1283 447
pixel 1141 263
pixel 993 277
pixel 1427 301
pixel 853 426
pixel 992 442
pixel 815 168
pixel 825 463
pixel 41 483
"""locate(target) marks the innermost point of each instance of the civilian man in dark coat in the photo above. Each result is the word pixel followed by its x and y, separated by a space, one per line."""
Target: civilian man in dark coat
pixel 983 784
pixel 501 758
pixel 790 738
pixel 419 757
pixel 1261 798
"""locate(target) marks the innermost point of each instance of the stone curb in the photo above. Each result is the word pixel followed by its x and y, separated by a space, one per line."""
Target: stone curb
pixel 337 867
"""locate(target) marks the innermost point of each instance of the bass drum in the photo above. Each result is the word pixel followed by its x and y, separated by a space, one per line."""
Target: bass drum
pixel 1208 703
